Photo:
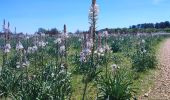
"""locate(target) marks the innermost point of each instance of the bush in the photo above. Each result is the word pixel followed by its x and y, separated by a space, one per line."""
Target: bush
pixel 117 86
pixel 9 81
pixel 115 47
pixel 144 58
pixel 49 84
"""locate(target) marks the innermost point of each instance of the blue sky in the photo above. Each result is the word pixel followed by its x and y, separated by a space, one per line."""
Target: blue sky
pixel 29 15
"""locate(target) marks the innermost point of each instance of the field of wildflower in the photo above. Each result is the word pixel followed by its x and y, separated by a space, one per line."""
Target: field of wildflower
pixel 75 66
pixel 94 65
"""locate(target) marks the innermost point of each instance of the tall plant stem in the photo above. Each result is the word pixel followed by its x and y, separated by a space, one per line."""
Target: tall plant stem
pixel 85 89
pixel 106 65
pixel 57 54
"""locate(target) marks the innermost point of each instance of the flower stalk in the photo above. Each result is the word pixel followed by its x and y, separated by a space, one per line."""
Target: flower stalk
pixel 93 13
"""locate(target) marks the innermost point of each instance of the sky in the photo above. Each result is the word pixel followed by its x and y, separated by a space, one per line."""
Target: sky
pixel 29 15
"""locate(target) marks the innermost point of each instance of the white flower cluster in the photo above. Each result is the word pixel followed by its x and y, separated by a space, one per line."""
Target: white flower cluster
pixel 80 39
pixel 19 46
pixel 32 49
pixel 106 47
pixel 93 13
pixel 27 37
pixel 42 44
pixel 58 40
pixel 62 68
pixel 66 35
pixel 114 67
pixel 143 49
pixel 62 49
pixel 101 50
pixel 106 34
pixel 23 64
pixel 89 43
pixel 7 48
pixel 82 57
pixel 94 10
pixel 42 34
pixel 86 51
pixel 143 41
pixel 61 42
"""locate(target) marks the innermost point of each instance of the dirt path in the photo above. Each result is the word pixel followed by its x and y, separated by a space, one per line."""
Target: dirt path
pixel 161 89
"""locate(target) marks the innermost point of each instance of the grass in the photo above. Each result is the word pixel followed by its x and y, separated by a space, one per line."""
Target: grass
pixel 145 81
pixel 1 59
pixel 78 87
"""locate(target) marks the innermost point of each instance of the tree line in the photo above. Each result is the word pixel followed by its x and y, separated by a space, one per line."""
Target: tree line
pixel 142 28
pixel 134 29
pixel 161 25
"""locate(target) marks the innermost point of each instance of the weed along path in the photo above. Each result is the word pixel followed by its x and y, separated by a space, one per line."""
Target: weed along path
pixel 161 88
